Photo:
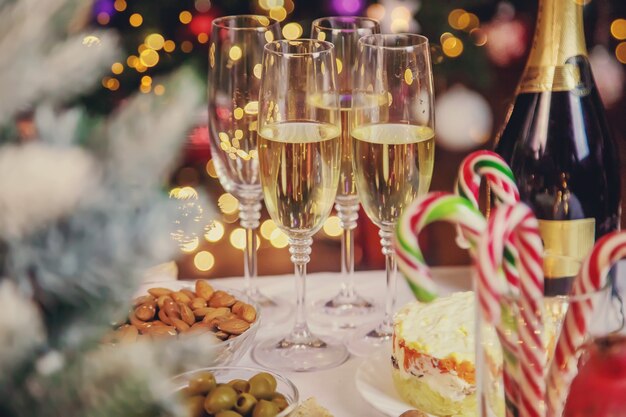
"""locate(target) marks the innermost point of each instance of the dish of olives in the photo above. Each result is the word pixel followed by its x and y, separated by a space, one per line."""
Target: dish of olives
pixel 219 392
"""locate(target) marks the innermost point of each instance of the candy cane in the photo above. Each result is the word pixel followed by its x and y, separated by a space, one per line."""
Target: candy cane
pixel 430 208
pixel 518 225
pixel 591 278
pixel 490 166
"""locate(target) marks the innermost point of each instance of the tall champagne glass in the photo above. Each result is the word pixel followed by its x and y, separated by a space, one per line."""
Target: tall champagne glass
pixel 299 157
pixel 393 148
pixel 235 55
pixel 346 307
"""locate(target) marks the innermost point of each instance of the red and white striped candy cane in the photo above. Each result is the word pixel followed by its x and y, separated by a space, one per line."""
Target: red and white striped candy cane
pixel 518 225
pixel 490 166
pixel 591 278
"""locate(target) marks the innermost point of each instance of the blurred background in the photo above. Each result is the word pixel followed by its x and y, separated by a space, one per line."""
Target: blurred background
pixel 479 49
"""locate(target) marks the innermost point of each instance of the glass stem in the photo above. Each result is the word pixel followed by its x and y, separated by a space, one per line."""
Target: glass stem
pixel 348 213
pixel 249 216
pixel 386 234
pixel 300 249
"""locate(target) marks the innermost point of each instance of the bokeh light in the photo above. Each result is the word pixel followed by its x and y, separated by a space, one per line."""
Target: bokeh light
pixel 235 53
pixel 216 232
pixel 184 17
pixel 135 20
pixel 155 41
pixel 376 11
pixel 210 169
pixel 190 246
pixel 149 58
pixel 292 31
pixel 227 203
pixel 618 29
pixel 267 228
pixel 120 5
pixel 332 226
pixel 278 13
pixel 186 46
pixel 203 38
pixel 279 239
pixel 620 52
pixel 238 238
pixel 452 46
pixel 103 18
pixel 204 261
pixel 159 89
pixel 169 46
pixel 117 68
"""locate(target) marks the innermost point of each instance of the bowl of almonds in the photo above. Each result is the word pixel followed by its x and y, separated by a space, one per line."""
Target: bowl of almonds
pixel 181 309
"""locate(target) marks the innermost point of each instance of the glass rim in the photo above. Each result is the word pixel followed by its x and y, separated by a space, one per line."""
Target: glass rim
pixel 367 41
pixel 317 23
pixel 328 47
pixel 219 22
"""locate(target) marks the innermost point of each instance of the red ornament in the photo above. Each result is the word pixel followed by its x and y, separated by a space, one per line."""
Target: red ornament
pixel 201 23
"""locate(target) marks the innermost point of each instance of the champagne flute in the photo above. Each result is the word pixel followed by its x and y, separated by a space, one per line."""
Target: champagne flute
pixel 299 158
pixel 235 55
pixel 347 306
pixel 393 148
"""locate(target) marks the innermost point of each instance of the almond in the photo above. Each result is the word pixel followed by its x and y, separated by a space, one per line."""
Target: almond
pixel 186 314
pixel 181 297
pixel 222 299
pixel 162 331
pixel 157 292
pixel 144 299
pixel 189 293
pixel 236 308
pixel 197 303
pixel 145 312
pixel 164 318
pixel 204 289
pixel 171 309
pixel 234 326
pixel 180 325
pixel 215 313
pixel 221 335
pixel 248 313
pixel 162 299
pixel 201 312
pixel 141 325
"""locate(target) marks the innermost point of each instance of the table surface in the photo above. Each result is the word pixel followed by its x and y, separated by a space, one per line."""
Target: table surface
pixel 335 388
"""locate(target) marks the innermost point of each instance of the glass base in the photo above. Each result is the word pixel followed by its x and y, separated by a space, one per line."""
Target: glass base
pixel 303 355
pixel 342 312
pixel 274 310
pixel 369 339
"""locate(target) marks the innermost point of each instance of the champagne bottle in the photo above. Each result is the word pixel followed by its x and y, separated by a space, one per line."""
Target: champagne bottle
pixel 558 144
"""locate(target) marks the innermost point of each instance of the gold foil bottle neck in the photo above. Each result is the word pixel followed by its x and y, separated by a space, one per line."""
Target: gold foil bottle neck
pixel 559 36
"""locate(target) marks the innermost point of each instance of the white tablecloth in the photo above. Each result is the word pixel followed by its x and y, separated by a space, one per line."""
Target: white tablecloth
pixel 335 388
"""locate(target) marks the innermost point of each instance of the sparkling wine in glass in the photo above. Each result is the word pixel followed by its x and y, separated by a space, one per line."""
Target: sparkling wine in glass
pixel 393 148
pixel 235 55
pixel 299 157
pixel 347 308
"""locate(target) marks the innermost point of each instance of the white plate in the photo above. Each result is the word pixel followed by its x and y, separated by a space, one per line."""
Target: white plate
pixel 374 383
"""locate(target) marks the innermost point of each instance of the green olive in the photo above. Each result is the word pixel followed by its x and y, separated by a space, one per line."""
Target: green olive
pixel 240 385
pixel 280 400
pixel 265 409
pixel 201 384
pixel 261 387
pixel 269 377
pixel 228 413
pixel 195 406
pixel 245 403
pixel 220 399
